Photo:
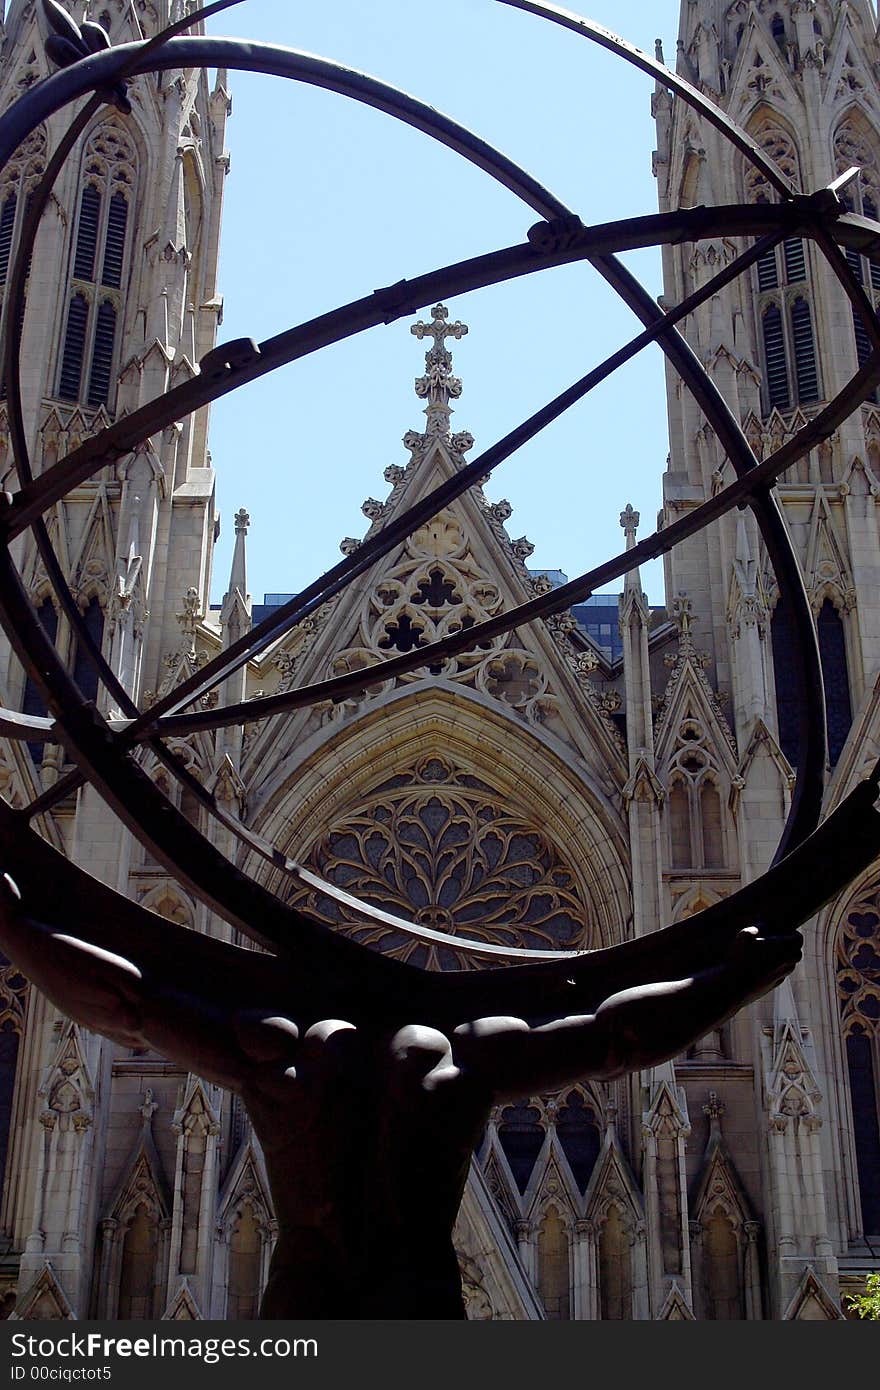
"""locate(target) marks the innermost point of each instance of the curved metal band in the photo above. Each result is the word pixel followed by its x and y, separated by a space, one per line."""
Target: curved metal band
pixel 102 70
pixel 843 847
pixel 384 306
pixel 131 430
pixel 615 274
pixel 736 494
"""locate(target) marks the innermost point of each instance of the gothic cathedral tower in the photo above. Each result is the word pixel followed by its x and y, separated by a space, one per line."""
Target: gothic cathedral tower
pixel 121 304
pixel 801 77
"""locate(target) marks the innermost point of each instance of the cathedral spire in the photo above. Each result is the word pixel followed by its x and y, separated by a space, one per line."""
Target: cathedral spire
pixel 238 574
pixel 235 611
pixel 438 386
pixel 635 618
pixel 174 233
pixel 633 594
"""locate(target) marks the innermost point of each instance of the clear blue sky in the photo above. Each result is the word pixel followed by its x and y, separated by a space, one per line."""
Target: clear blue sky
pixel 327 200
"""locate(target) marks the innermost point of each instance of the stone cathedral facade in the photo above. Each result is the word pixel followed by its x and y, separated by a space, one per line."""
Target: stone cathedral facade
pixel 568 785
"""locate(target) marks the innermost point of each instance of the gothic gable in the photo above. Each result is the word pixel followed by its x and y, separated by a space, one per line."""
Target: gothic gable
pixel 246 1182
pixel 454 572
pixel 690 700
pixel 30 65
pixel 793 1096
pixel 92 557
pixel 613 1185
pixel 826 571
pixel 846 76
pixel 45 1300
pixel 552 1185
pixel 675 1307
pixel 759 76
pixel 718 1188
pixel 764 763
pixel 67 1089
pixel 494 1283
pixel 183 1306
pixel 144 1179
pixel 812 1302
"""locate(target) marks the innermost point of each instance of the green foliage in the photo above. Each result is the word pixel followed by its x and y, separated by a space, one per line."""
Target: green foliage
pixel 867 1304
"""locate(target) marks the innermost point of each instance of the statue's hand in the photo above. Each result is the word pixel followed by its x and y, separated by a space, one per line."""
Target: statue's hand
pixel 763 961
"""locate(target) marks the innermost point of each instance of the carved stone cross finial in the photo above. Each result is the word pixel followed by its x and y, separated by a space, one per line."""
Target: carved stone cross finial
pixel 438 386
pixel 242 522
pixel 440 328
pixel 629 521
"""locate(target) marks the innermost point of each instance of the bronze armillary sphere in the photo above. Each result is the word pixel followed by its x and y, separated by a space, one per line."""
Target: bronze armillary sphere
pixel 334 1047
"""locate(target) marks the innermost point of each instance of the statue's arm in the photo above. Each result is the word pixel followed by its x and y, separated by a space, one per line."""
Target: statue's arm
pixel 197 1017
pixel 635 1028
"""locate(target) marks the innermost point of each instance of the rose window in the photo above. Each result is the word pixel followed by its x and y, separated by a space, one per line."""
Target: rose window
pixel 435 847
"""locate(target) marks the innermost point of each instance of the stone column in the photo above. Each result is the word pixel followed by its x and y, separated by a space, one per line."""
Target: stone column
pixel 584 1269
pixel 108 1268
pixel 752 1271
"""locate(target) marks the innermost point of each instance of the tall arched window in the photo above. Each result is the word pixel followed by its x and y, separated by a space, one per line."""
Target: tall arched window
pixel 856 143
pixel 13 1000
pixel 19 178
pixel 785 318
pixel 521 1136
pixel 32 701
pixel 615 1268
pixel 803 343
pixel 724 1298
pixel 680 825
pixel 99 261
pixel 137 1275
pixel 695 812
pixel 791 369
pixel 74 347
pixel 8 214
pixel 245 1266
pixel 712 820
pixel 835 678
pixel 577 1129
pixel 775 358
pixel 17 182
pixel 858 985
pixel 84 671
pixel 554 1277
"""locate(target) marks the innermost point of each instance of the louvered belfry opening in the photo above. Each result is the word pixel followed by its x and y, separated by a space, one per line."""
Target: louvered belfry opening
pixel 90 341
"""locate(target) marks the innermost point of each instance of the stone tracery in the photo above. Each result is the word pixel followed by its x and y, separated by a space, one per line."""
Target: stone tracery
pixel 858 989
pixel 433 845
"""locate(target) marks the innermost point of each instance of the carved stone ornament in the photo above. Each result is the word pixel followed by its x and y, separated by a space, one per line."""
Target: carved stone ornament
pixel 435 846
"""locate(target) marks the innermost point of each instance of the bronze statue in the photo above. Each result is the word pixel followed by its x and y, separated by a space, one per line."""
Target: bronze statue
pixel 368 1124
